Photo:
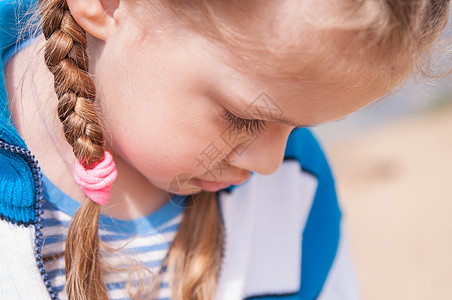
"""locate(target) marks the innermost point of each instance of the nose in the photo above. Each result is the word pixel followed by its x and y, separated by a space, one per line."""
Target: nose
pixel 263 153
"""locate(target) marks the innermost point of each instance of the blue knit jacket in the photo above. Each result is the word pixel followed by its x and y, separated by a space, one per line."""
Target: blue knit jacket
pixel 18 191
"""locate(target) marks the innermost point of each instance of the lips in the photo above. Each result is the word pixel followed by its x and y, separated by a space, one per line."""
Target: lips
pixel 213 186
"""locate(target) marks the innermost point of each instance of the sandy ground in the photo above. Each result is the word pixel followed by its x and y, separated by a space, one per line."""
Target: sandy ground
pixel 395 184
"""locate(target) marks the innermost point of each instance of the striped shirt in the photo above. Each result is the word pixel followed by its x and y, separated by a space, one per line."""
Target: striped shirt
pixel 145 241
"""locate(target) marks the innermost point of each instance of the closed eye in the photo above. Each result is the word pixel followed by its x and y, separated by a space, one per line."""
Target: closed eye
pixel 253 127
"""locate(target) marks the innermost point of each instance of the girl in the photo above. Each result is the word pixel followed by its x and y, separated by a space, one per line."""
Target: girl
pixel 167 108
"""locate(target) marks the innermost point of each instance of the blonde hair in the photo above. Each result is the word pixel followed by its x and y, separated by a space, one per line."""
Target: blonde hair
pixel 395 35
pixel 402 30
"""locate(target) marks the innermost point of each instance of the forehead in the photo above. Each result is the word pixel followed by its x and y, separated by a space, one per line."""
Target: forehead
pixel 313 75
pixel 284 36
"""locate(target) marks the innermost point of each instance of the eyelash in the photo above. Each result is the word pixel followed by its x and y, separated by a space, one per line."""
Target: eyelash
pixel 253 127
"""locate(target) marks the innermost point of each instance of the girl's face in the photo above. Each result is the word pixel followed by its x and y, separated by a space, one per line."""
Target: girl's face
pixel 174 107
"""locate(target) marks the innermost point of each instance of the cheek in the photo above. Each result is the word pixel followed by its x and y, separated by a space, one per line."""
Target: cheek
pixel 155 145
pixel 156 117
pixel 160 135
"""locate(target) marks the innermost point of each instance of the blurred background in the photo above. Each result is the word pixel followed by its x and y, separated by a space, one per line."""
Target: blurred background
pixel 393 167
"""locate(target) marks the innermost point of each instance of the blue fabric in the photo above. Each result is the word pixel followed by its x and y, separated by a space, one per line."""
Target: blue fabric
pixel 17 190
pixel 17 194
pixel 141 226
pixel 322 232
pixel 146 237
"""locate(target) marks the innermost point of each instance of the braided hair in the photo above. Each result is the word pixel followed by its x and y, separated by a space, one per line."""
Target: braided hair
pixel 65 56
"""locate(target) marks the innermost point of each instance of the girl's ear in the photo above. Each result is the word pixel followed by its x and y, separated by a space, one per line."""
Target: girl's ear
pixel 96 17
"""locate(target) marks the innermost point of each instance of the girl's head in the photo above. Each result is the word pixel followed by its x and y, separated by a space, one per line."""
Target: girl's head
pixel 166 72
pixel 198 91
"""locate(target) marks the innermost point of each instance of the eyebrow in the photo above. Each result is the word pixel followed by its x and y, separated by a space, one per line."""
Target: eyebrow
pixel 290 123
pixel 270 117
pixel 287 122
pixel 305 125
pixel 273 118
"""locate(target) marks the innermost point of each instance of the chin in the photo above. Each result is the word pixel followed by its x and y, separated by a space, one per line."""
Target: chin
pixel 186 192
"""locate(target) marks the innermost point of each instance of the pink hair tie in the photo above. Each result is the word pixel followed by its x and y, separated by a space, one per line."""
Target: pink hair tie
pixel 97 182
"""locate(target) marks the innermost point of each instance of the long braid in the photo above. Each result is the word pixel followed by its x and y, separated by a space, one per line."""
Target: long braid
pixel 65 56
